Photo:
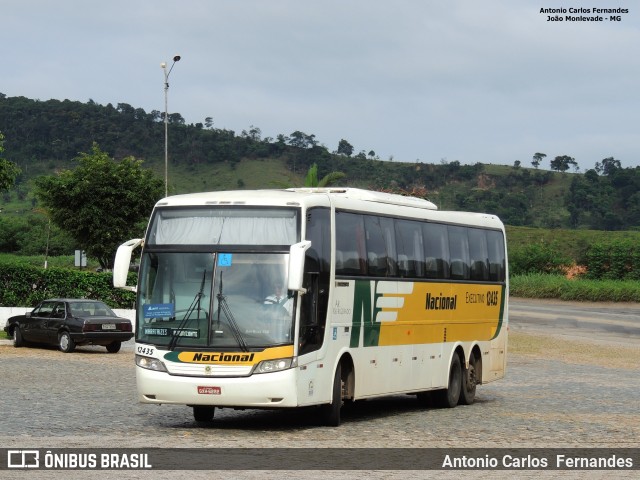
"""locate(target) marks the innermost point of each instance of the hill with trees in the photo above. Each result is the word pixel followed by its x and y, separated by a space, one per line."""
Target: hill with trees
pixel 44 138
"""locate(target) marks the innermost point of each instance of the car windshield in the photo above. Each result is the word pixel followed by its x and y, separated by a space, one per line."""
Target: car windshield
pixel 90 309
pixel 217 300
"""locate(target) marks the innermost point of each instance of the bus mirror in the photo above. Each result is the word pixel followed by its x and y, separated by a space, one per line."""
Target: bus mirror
pixel 122 262
pixel 296 265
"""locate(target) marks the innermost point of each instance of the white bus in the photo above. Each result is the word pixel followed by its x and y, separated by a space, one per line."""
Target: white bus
pixel 315 297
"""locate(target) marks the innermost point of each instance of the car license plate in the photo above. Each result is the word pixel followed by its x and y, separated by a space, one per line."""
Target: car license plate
pixel 108 326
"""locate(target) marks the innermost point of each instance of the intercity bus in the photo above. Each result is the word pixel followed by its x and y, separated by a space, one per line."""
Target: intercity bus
pixel 380 294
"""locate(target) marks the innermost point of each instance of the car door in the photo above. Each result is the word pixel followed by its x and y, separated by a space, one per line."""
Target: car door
pixel 52 326
pixel 35 326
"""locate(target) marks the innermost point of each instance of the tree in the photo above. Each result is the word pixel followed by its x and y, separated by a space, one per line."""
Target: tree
pixel 8 170
pixel 537 158
pixel 302 140
pixel 253 134
pixel 608 166
pixel 311 180
pixel 101 203
pixel 344 148
pixel 562 163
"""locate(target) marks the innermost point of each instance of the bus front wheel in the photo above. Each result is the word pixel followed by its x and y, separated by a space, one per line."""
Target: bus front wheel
pixel 448 398
pixel 330 413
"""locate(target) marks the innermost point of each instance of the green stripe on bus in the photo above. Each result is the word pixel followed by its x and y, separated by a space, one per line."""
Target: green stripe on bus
pixel 364 316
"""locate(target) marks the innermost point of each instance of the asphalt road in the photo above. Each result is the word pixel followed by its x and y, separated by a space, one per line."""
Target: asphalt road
pixel 602 322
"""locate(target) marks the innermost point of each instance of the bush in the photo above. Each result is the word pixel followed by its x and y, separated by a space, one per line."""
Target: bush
pixel 536 258
pixel 25 285
pixel 618 260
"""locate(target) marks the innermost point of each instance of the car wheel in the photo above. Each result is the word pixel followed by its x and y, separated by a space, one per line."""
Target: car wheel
pixel 66 343
pixel 18 341
pixel 114 347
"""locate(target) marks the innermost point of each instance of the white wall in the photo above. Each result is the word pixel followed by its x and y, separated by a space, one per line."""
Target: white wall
pixel 6 312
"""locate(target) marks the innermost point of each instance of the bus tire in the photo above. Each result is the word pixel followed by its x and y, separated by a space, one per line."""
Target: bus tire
pixel 469 382
pixel 203 413
pixel 330 413
pixel 448 398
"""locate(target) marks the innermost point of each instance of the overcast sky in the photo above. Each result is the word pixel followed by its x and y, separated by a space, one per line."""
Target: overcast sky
pixel 488 81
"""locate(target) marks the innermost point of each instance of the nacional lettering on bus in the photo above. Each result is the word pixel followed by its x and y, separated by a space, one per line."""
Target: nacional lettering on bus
pixel 441 302
pixel 222 357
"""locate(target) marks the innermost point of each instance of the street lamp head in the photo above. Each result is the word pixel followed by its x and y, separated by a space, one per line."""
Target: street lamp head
pixel 176 58
pixel 163 65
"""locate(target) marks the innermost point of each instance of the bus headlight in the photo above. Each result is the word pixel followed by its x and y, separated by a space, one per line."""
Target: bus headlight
pixel 150 363
pixel 277 365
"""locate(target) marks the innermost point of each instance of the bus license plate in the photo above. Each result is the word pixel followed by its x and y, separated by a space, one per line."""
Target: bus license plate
pixel 209 390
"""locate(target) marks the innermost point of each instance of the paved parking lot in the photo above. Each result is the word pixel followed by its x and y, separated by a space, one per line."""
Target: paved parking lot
pixel 550 398
pixel 88 397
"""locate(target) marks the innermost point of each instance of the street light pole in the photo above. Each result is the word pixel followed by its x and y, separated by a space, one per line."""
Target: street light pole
pixel 166 121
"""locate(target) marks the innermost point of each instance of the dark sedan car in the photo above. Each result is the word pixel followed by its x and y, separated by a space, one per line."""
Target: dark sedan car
pixel 70 322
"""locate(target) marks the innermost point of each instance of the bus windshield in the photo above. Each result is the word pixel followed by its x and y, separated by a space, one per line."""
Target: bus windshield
pixel 223 226
pixel 235 301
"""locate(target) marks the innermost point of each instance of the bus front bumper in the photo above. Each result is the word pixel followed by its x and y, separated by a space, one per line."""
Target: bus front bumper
pixel 267 390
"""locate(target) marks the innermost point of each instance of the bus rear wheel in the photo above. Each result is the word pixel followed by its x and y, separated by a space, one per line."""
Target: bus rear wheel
pixel 469 382
pixel 203 413
pixel 448 398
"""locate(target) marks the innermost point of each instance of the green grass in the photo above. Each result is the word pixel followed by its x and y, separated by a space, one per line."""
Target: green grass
pixel 561 288
pixel 243 175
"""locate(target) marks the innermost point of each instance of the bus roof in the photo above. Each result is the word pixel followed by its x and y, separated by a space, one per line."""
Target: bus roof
pixel 289 195
pixel 345 198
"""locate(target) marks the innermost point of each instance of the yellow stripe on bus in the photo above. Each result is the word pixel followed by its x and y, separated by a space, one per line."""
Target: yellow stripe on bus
pixel 439 312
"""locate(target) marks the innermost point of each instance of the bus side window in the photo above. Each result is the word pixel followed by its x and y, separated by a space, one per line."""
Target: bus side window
pixel 478 255
pixel 495 242
pixel 351 258
pixel 411 262
pixel 381 251
pixel 459 252
pixel 436 250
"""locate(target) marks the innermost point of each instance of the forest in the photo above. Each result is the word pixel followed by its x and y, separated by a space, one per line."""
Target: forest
pixel 45 137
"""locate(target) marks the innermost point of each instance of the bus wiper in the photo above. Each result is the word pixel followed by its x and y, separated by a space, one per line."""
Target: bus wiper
pixel 195 304
pixel 224 307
